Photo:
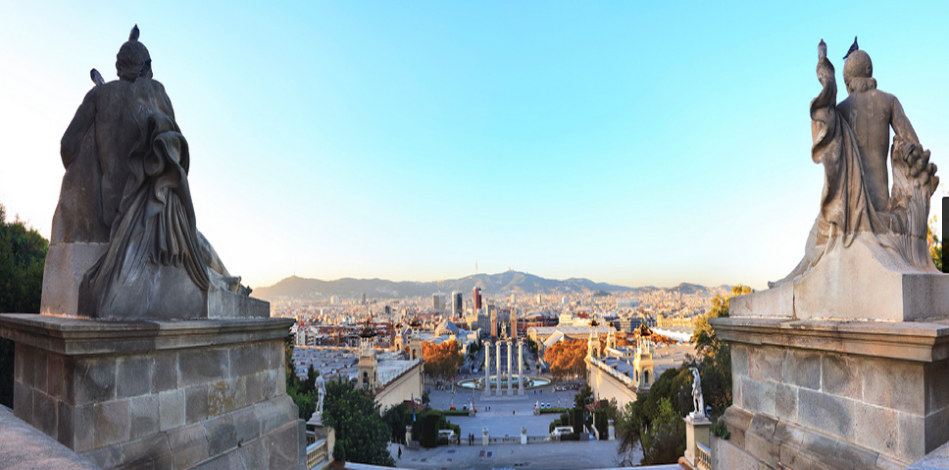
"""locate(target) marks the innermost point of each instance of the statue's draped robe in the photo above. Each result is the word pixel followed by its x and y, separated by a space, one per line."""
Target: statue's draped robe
pixel 846 212
pixel 153 266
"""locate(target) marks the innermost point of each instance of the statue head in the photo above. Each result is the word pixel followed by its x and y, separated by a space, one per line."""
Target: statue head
pixel 132 58
pixel 858 72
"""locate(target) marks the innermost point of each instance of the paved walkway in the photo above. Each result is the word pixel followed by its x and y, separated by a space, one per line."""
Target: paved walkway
pixel 553 456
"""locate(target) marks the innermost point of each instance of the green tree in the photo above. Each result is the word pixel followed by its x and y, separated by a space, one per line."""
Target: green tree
pixel 664 442
pixel 361 434
pixel 397 417
pixel 582 397
pixel 22 256
pixel 639 423
pixel 935 245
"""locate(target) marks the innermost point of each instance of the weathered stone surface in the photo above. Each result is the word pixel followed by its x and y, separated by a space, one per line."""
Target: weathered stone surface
pixel 144 415
pixel 165 372
pixel 23 402
pixel 741 360
pixel 937 386
pixel 284 446
pixel 45 413
pixel 758 397
pixel 190 445
pixel 895 385
pixel 39 370
pixel 224 396
pixel 54 379
pixel 90 381
pixel 246 426
pixel 134 376
pixel 171 409
pixel 250 359
pixel 254 390
pixel 767 364
pixel 827 413
pixel 221 433
pixel 84 421
pixel 785 403
pixel 786 432
pixel 196 404
pixel 803 368
pixel 112 422
pixel 726 455
pixel 876 428
pixel 843 376
pixel 857 456
pixel 66 264
pixel 912 437
pixel 937 429
pixel 202 366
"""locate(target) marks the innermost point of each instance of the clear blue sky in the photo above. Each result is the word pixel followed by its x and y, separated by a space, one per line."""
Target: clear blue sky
pixel 627 142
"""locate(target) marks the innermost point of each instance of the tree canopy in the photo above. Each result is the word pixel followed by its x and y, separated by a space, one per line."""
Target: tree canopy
pixel 442 361
pixel 362 436
pixel 22 256
pixel 566 358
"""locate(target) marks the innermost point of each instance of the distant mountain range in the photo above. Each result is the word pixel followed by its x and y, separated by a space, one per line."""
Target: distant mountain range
pixel 506 283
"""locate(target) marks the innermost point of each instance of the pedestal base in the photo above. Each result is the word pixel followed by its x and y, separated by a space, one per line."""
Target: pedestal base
pixel 862 282
pixel 696 432
pixel 163 394
pixel 864 394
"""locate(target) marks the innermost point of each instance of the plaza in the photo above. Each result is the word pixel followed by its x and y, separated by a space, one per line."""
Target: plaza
pixel 505 416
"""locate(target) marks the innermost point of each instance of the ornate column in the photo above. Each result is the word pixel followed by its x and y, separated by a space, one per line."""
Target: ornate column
pixel 520 367
pixel 498 371
pixel 487 369
pixel 510 375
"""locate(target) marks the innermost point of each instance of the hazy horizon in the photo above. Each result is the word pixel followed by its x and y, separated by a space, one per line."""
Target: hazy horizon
pixel 622 142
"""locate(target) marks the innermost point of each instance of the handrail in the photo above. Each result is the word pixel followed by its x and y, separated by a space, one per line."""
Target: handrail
pixel 703 457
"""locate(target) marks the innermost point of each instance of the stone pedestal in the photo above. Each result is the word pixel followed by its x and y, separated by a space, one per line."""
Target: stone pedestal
pixel 523 435
pixel 612 430
pixel 696 432
pixel 485 440
pixel 159 394
pixel 854 394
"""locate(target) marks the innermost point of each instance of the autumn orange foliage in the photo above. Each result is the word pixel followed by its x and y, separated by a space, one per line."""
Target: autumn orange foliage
pixel 442 361
pixel 566 358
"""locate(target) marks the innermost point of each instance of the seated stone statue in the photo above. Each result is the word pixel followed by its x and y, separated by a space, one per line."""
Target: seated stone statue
pixel 851 140
pixel 126 194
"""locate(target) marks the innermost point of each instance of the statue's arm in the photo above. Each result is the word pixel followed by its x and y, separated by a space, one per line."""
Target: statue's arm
pixel 81 122
pixel 901 125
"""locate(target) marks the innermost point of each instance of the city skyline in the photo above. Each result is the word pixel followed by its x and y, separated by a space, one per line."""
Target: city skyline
pixel 624 143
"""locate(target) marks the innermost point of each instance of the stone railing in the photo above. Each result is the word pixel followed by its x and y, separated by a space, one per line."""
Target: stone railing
pixel 541 439
pixel 627 380
pixel 316 454
pixel 703 457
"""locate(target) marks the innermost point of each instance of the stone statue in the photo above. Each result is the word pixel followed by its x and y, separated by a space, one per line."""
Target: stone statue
pixel 321 391
pixel 126 193
pixel 697 400
pixel 851 140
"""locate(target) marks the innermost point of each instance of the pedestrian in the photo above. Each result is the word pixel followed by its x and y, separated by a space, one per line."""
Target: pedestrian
pixel 400 452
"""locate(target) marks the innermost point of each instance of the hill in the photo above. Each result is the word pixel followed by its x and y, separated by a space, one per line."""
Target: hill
pixel 506 283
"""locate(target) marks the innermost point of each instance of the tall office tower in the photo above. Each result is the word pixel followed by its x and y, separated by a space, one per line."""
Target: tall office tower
pixel 364 298
pixel 513 321
pixel 438 301
pixel 476 295
pixel 457 303
pixel 493 316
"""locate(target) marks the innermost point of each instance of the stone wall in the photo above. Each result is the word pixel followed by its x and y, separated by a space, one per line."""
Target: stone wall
pixel 851 392
pixel 158 394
